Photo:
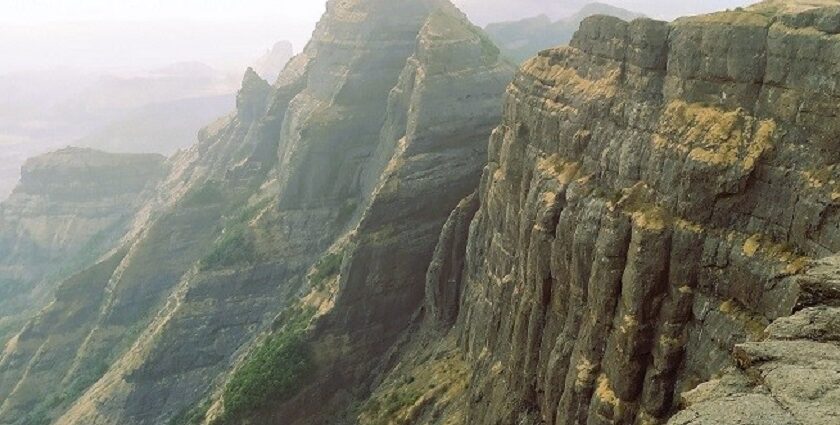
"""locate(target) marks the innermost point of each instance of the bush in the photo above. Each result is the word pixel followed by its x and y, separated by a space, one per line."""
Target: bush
pixel 234 247
pixel 273 372
pixel 192 416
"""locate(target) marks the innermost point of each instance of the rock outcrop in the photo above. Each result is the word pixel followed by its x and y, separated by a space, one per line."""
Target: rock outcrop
pixel 70 207
pixel 270 65
pixel 792 376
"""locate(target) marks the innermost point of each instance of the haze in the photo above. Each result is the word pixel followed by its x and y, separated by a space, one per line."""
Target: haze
pixel 95 34
pixel 70 71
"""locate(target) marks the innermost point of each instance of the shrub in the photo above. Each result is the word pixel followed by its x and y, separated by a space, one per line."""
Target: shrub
pixel 234 247
pixel 192 416
pixel 273 372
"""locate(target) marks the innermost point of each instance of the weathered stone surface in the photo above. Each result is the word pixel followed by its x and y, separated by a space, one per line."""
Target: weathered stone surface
pixel 70 207
pixel 430 148
pixel 341 155
pixel 652 197
pixel 792 377
pixel 443 279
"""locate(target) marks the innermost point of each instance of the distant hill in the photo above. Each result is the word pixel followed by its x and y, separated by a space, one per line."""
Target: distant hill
pixel 274 60
pixel 161 127
pixel 520 40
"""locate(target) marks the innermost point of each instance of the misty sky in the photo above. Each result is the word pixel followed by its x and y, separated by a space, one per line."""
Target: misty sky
pixel 135 34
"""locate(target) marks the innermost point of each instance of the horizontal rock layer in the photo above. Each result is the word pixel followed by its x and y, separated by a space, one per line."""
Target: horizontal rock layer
pixel 70 207
pixel 653 194
pixel 338 158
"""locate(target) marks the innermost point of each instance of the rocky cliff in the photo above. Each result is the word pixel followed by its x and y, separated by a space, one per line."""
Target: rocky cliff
pixel 648 238
pixel 69 208
pixel 656 195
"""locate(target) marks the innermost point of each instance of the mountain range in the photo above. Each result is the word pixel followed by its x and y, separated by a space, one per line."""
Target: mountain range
pixel 520 40
pixel 641 227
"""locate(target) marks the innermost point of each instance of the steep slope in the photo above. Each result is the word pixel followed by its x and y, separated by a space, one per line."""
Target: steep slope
pixel 69 208
pixel 522 39
pixel 358 127
pixel 432 149
pixel 173 230
pixel 656 196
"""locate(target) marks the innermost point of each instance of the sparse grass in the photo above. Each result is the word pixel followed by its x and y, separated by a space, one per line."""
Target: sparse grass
pixel 389 405
pixel 192 415
pixel 329 266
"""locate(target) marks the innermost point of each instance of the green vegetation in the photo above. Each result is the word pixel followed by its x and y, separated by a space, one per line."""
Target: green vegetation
pixel 208 193
pixel 81 383
pixel 41 414
pixel 387 406
pixel 192 415
pixel 328 267
pixel 273 372
pixel 237 244
pixel 347 210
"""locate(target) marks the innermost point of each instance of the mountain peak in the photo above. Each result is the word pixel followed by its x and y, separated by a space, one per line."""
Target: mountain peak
pixel 252 97
pixel 272 63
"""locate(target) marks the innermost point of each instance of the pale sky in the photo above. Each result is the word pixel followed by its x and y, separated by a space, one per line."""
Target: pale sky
pixel 27 11
pixel 133 34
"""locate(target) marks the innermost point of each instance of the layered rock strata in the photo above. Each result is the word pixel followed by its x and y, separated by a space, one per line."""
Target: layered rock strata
pixel 338 159
pixel 68 209
pixel 652 194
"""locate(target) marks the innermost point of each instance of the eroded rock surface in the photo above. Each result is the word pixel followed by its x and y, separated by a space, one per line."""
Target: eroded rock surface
pixel 70 207
pixel 337 160
pixel 653 196
pixel 790 377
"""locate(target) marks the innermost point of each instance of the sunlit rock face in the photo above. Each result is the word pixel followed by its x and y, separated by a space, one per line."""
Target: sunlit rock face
pixel 653 194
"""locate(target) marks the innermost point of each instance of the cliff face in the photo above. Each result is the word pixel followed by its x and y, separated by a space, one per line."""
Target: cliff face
pixel 335 163
pixel 430 148
pixel 653 195
pixel 70 207
pixel 650 241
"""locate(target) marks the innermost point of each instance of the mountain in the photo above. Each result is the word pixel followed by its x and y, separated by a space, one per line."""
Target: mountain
pixel 272 63
pixel 656 231
pixel 333 163
pixel 649 237
pixel 158 111
pixel 522 39
pixel 70 207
